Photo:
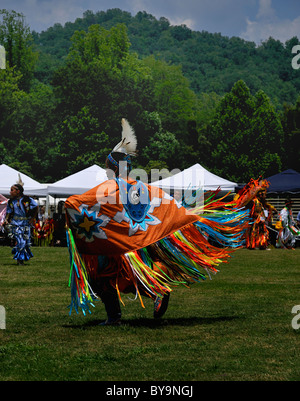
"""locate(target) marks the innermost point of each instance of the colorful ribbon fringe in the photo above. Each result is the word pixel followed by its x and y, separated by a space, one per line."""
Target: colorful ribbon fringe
pixel 82 295
pixel 154 270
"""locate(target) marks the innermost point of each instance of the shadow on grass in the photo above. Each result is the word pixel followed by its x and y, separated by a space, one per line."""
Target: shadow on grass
pixel 157 323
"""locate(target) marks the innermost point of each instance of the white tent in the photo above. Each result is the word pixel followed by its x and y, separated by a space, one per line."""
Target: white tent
pixel 10 176
pixel 195 177
pixel 78 183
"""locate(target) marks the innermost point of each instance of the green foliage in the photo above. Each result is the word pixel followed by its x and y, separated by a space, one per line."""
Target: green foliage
pixel 16 38
pixel 192 97
pixel 10 95
pixel 242 146
pixel 163 146
pixel 100 73
pixel 27 159
pixel 80 143
pixel 36 113
pixel 291 126
pixel 157 165
pixel 27 122
pixel 175 101
pixel 210 61
pixel 108 47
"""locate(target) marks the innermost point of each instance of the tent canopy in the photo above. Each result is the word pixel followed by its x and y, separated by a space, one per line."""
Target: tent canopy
pixel 78 183
pixel 195 177
pixel 10 176
pixel 287 181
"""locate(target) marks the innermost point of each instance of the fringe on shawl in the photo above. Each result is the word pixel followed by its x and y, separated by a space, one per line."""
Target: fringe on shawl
pixel 82 295
pixel 183 257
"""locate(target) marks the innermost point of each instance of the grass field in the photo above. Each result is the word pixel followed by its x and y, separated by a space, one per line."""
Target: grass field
pixel 236 326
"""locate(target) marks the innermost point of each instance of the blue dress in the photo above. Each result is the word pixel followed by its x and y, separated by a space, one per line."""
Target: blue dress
pixel 21 227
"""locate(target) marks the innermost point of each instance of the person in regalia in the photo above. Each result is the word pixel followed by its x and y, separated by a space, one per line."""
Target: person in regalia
pixel 261 213
pixel 20 215
pixel 125 236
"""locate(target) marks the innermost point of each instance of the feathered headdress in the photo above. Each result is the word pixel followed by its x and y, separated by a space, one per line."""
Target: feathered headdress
pixel 264 184
pixel 19 184
pixel 128 143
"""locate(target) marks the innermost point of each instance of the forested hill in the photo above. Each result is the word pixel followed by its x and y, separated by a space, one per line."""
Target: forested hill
pixel 191 97
pixel 211 62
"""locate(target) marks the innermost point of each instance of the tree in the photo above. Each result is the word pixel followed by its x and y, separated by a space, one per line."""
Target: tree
pixel 101 74
pixel 246 136
pixel 174 99
pixel 16 38
pixel 291 147
pixel 34 124
pixel 210 61
pixel 80 142
pixel 164 147
pixel 10 95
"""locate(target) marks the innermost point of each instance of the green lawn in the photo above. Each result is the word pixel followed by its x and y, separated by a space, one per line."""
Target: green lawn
pixel 236 326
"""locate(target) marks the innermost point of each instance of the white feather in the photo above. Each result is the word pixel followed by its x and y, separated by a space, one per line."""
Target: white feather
pixel 20 180
pixel 128 143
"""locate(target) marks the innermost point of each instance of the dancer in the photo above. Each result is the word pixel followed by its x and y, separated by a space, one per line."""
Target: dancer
pixel 251 198
pixel 20 213
pixel 287 229
pixel 125 236
pixel 257 236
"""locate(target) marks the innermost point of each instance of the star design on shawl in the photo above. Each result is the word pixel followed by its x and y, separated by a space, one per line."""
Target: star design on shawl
pixel 134 226
pixel 88 223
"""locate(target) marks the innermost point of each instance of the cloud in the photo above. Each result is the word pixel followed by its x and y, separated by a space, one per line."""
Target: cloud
pixel 226 16
pixel 190 23
pixel 41 14
pixel 268 24
pixel 265 10
pixel 53 11
pixel 256 19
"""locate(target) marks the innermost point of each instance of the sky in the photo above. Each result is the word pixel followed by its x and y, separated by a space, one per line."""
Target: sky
pixel 252 20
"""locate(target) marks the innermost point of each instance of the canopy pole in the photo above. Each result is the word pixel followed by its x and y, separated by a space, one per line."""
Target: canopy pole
pixel 47 206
